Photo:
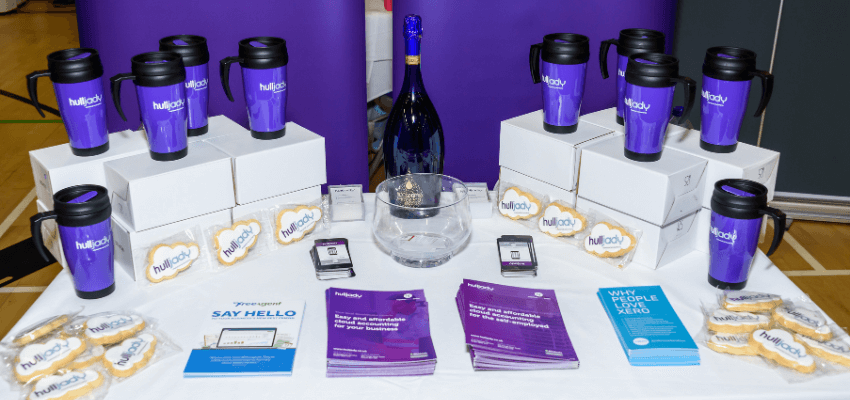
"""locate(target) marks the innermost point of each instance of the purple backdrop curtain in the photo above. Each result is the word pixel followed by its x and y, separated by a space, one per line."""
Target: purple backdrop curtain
pixel 475 63
pixel 326 71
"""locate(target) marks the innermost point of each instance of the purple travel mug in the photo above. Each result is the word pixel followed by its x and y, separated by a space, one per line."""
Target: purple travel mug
pixel 196 58
pixel 159 77
pixel 564 67
pixel 76 76
pixel 632 41
pixel 727 72
pixel 82 214
pixel 737 206
pixel 263 60
pixel 650 82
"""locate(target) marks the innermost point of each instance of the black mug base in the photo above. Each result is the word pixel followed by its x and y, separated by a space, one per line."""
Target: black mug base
pixel 642 157
pixel 170 156
pixel 716 148
pixel 91 151
pixel 198 131
pixel 268 135
pixel 560 129
pixel 726 285
pixel 96 294
pixel 621 121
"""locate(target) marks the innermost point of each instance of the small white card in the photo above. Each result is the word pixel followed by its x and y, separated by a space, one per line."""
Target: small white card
pixel 346 194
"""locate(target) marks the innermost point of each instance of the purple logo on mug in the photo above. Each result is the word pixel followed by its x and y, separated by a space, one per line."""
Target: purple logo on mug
pixel 714 99
pixel 273 87
pixel 94 245
pixel 171 106
pixel 639 107
pixel 724 237
pixel 87 102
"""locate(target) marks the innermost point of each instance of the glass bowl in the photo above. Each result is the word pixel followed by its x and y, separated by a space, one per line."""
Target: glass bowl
pixel 422 219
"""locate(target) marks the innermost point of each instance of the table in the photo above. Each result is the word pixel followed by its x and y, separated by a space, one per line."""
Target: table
pixel 604 372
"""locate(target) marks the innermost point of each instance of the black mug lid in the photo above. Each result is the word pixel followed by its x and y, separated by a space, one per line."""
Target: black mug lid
pixel 263 52
pixel 81 200
pixel 192 48
pixel 652 69
pixel 636 40
pixel 729 63
pixel 565 48
pixel 74 65
pixel 739 198
pixel 158 68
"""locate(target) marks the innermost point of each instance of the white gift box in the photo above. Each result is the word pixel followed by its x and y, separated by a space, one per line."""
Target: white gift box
pixel 220 126
pixel 268 168
pixel 525 147
pixel 657 192
pixel 302 196
pixel 543 188
pixel 658 245
pixel 607 119
pixel 148 193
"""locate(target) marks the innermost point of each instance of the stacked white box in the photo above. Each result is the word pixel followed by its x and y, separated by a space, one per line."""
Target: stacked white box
pixel 661 198
pixel 148 193
pixel 296 161
pixel 297 197
pixel 131 246
pixel 607 119
pixel 507 175
pixel 55 168
pixel 220 126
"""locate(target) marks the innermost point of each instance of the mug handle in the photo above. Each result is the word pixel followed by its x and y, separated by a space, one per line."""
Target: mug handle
pixel 115 82
pixel 603 55
pixel 690 94
pixel 32 87
pixel 766 89
pixel 534 61
pixel 778 226
pixel 35 229
pixel 225 74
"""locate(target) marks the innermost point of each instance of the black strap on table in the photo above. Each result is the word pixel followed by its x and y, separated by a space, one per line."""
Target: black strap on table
pixel 20 260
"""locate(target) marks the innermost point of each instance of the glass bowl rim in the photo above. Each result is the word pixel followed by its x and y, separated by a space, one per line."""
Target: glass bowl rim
pixel 465 193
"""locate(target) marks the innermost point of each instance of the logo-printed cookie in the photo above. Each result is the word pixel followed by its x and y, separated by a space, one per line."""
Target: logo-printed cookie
pixel 72 385
pixel 806 322
pixel 130 356
pixel 112 328
pixel 732 343
pixel 516 204
pixel 778 345
pixel 559 220
pixel 89 357
pixel 46 358
pixel 294 224
pixel 40 329
pixel 739 300
pixel 837 350
pixel 606 240
pixel 736 322
pixel 232 244
pixel 166 261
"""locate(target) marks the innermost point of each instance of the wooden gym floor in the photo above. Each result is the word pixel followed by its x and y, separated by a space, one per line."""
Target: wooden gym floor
pixel 815 255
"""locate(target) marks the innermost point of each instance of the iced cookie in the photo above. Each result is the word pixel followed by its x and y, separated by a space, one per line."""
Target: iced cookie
pixel 778 345
pixel 37 360
pixel 166 261
pixel 112 328
pixel 68 386
pixel 736 322
pixel 39 330
pixel 232 244
pixel 732 343
pixel 836 350
pixel 739 300
pixel 560 220
pixel 806 322
pixel 606 240
pixel 89 357
pixel 294 224
pixel 516 204
pixel 130 356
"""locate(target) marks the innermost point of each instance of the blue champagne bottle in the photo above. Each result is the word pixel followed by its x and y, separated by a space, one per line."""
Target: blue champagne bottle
pixel 413 141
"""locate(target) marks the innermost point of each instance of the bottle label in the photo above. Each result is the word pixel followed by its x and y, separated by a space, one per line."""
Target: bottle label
pixel 411 60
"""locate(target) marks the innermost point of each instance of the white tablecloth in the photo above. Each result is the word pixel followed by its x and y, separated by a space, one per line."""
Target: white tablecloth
pixel 604 372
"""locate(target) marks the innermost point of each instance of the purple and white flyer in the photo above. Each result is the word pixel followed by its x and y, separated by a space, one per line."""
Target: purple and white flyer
pixel 373 333
pixel 512 328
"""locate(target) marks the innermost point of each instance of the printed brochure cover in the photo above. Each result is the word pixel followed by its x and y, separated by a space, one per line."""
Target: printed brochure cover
pixel 252 338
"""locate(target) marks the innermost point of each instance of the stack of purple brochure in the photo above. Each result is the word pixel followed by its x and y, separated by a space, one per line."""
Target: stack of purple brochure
pixel 512 328
pixel 373 333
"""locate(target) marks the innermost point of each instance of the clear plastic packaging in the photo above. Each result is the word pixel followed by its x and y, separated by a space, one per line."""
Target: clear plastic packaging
pixel 566 223
pixel 108 327
pixel 90 383
pixel 247 238
pixel 41 357
pixel 43 328
pixel 742 300
pixel 172 258
pixel 294 222
pixel 519 203
pixel 127 358
pixel 610 241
